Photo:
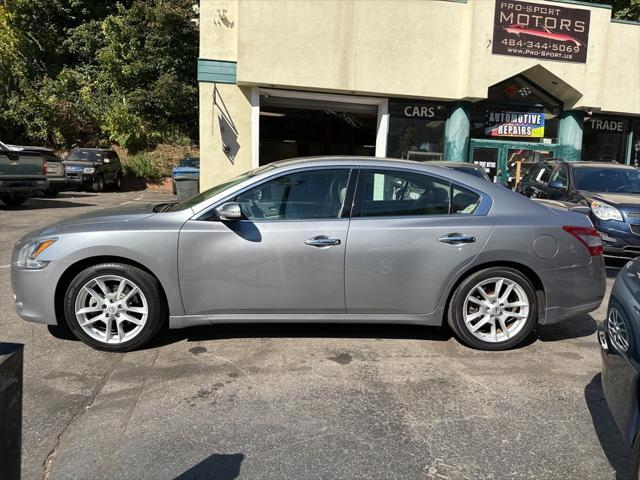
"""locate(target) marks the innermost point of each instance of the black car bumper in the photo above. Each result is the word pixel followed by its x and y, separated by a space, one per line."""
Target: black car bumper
pixel 620 386
pixel 9 187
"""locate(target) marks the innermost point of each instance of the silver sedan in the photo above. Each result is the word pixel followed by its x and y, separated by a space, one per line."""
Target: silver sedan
pixel 316 240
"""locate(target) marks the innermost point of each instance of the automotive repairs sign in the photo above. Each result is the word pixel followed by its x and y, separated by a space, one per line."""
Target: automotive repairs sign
pixel 515 124
pixel 544 31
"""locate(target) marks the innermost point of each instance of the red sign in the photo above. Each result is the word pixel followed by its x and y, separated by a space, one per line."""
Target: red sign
pixel 544 31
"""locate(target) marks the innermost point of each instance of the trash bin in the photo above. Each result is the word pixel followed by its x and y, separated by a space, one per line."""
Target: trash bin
pixel 187 187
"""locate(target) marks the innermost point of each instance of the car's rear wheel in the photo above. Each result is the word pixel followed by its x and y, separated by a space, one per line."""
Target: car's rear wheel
pixel 117 186
pixel 13 200
pixel 493 309
pixel 114 307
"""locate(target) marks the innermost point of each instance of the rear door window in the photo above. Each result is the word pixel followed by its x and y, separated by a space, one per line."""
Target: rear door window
pixel 390 193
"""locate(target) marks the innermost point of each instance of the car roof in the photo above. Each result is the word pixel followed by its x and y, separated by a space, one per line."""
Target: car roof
pixel 93 149
pixel 589 163
pixel 451 163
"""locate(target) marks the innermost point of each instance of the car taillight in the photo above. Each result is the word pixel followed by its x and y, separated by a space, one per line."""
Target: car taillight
pixel 44 168
pixel 589 237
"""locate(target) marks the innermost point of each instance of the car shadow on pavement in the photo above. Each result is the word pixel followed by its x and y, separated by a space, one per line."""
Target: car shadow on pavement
pixel 610 438
pixel 215 467
pixel 301 330
pixel 41 203
pixel 577 327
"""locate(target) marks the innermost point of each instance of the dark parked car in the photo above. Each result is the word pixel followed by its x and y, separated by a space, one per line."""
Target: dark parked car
pixel 93 168
pixel 611 191
pixel 55 169
pixel 188 167
pixel 619 338
pixel 470 168
pixel 23 174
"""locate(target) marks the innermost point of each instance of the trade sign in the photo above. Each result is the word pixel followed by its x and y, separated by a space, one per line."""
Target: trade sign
pixel 515 124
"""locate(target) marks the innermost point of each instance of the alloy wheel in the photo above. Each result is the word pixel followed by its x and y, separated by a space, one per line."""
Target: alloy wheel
pixel 111 309
pixel 496 309
pixel 617 330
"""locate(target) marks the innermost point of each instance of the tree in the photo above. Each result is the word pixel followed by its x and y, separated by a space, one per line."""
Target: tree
pixel 94 71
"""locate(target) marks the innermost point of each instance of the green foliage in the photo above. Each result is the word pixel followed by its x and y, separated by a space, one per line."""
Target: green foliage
pixel 140 166
pixel 93 72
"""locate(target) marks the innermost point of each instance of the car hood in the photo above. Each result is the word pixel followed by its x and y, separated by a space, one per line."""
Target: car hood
pixel 632 199
pixel 124 213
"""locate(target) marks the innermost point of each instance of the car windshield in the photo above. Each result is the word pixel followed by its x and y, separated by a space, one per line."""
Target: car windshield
pixel 80 155
pixel 190 162
pixel 607 179
pixel 207 194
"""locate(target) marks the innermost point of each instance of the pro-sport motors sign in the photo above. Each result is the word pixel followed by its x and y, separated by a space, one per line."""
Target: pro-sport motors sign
pixel 544 31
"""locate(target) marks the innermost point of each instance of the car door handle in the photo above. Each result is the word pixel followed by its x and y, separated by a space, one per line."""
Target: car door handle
pixel 457 238
pixel 322 241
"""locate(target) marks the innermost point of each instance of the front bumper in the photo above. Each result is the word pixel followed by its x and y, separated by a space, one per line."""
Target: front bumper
pixel 34 292
pixel 620 386
pixel 620 239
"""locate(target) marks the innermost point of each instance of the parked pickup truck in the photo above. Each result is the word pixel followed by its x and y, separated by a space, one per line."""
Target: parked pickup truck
pixel 22 175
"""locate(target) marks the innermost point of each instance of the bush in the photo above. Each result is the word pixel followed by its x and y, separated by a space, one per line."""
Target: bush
pixel 141 167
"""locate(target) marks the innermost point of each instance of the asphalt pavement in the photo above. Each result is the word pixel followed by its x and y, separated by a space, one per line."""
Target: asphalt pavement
pixel 305 401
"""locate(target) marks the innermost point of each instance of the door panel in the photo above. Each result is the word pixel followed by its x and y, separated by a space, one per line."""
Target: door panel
pixel 261 266
pixel 399 265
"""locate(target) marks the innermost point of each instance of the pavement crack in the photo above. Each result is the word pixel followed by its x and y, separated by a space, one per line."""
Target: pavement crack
pixel 77 414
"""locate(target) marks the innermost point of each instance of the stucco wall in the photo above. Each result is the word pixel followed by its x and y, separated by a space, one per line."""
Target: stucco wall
pixel 430 49
pixel 225 132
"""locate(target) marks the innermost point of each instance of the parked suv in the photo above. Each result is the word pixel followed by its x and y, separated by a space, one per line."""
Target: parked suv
pixel 23 174
pixel 93 168
pixel 611 191
pixel 55 169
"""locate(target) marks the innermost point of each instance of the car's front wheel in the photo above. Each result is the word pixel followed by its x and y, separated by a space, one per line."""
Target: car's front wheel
pixel 493 309
pixel 114 307
pixel 98 184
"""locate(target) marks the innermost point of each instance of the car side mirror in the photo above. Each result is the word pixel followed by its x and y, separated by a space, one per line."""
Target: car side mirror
pixel 557 184
pixel 229 211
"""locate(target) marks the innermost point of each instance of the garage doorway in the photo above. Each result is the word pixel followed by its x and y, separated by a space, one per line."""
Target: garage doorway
pixel 301 124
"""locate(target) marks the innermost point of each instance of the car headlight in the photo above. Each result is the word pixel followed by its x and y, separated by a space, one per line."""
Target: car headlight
pixel 88 170
pixel 28 255
pixel 605 212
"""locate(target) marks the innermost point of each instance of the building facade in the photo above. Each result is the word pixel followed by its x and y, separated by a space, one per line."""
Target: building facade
pixel 502 83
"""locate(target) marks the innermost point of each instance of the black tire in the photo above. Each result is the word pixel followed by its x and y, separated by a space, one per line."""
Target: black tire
pixel 147 283
pixel 456 305
pixel 98 184
pixel 13 200
pixel 634 471
pixel 117 184
pixel 173 187
pixel 51 192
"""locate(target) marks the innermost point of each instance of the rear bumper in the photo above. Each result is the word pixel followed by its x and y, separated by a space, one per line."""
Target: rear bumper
pixel 8 187
pixel 573 290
